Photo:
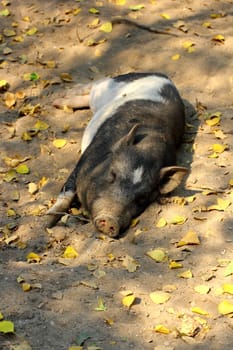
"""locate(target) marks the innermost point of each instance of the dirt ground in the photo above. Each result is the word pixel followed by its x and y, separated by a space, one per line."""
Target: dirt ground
pixel 55 302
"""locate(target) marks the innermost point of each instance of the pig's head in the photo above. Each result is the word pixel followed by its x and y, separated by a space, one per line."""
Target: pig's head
pixel 127 180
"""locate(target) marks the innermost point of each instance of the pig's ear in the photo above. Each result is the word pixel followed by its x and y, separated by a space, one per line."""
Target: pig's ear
pixel 128 139
pixel 170 178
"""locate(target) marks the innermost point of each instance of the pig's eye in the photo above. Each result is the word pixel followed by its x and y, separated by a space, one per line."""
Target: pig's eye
pixel 112 177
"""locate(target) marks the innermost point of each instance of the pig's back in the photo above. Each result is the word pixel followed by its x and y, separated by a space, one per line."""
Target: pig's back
pixel 108 96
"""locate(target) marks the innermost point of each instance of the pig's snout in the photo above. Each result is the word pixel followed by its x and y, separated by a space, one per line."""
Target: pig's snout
pixel 107 224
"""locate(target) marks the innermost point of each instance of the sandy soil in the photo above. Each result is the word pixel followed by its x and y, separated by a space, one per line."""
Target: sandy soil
pixel 59 309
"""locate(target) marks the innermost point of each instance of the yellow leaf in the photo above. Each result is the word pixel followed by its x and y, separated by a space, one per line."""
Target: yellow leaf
pixel 51 64
pixel 66 77
pixel 216 15
pixel 41 125
pixel 187 44
pixel 22 169
pixel 221 205
pixel 218 148
pixel 207 25
pixel 20 95
pixel 120 2
pixel 161 329
pixel 26 19
pixel 32 187
pixel 10 175
pixel 128 300
pixel 161 223
pixel 6 327
pixel 111 257
pixel 219 38
pixel 134 222
pixel 165 16
pixel 219 134
pixel 199 311
pixel 213 155
pixel 136 7
pixel 94 23
pixel 9 32
pixel 32 31
pixel 93 10
pixel 26 287
pixel 75 347
pixel 228 288
pixel 190 238
pixel 177 220
pixel 11 212
pixel 59 143
pixel 190 199
pixel 202 289
pixel 175 57
pixel 77 11
pixel 159 297
pixel 213 121
pixel 109 321
pixel 33 257
pixel 186 274
pixel 231 182
pixel 18 39
pixel 158 255
pixel 1 316
pixel 70 253
pixel 130 264
pixel 225 307
pixel 10 99
pixel 26 137
pixel 106 27
pixel 175 265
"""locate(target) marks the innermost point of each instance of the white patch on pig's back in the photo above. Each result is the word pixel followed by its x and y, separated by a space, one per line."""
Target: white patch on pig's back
pixel 108 95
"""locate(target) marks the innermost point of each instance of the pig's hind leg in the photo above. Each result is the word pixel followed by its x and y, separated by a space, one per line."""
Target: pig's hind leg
pixel 77 97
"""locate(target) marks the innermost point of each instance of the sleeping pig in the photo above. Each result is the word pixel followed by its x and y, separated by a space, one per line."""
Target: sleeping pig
pixel 128 151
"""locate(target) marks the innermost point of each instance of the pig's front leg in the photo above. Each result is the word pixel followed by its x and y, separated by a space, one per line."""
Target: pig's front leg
pixel 77 97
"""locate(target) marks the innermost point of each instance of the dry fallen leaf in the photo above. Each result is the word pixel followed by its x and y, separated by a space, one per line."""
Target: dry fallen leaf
pixel 158 255
pixel 222 204
pixel 70 253
pixel 174 265
pixel 106 27
pixel 228 288
pixel 33 257
pixel 6 327
pixel 219 38
pixel 202 289
pixel 130 264
pixel 225 307
pixel 190 238
pixel 59 143
pixel 177 220
pixel 199 311
pixel 161 329
pixel 128 300
pixel 161 223
pixel 160 297
pixel 175 57
pixel 186 274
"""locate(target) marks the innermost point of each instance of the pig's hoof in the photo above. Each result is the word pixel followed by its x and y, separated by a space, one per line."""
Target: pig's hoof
pixel 53 220
pixel 108 225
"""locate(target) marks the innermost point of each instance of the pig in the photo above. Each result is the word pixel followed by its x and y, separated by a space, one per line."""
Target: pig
pixel 128 150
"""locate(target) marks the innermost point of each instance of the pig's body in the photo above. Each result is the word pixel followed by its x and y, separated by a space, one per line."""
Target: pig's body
pixel 128 149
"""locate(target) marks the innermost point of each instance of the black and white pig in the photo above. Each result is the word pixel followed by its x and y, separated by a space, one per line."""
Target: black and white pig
pixel 128 149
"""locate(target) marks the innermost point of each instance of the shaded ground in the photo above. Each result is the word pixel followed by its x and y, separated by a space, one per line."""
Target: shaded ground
pixel 59 311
